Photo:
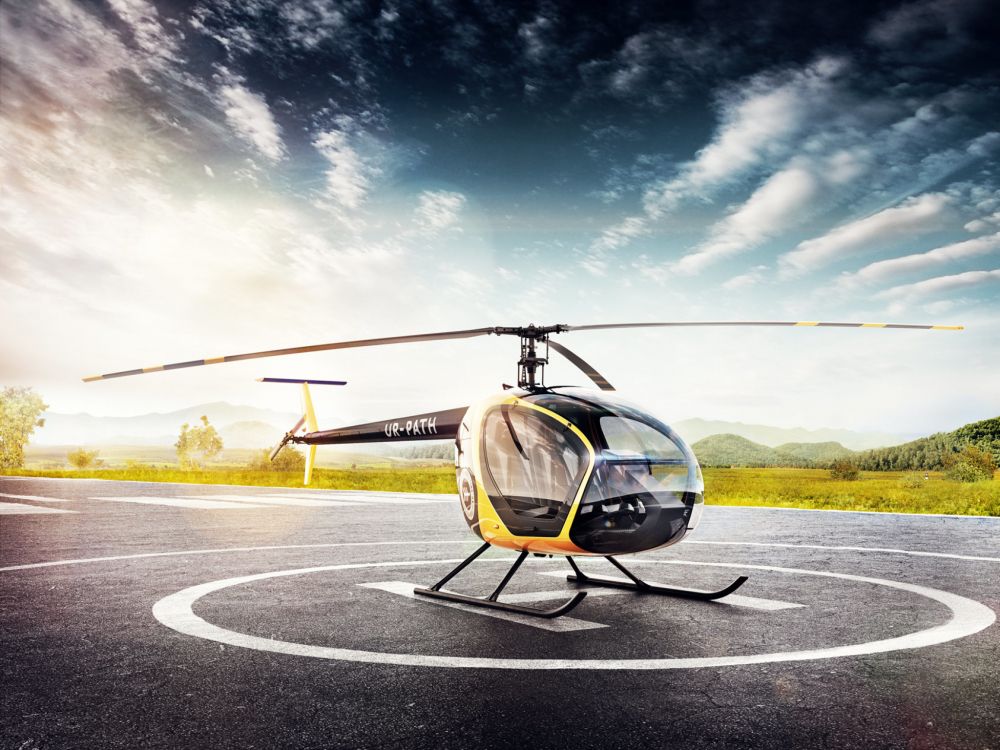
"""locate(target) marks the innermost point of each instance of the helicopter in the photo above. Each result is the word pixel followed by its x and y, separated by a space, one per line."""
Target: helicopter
pixel 543 470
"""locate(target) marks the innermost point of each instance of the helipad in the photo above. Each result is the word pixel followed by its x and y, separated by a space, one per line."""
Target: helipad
pixel 183 615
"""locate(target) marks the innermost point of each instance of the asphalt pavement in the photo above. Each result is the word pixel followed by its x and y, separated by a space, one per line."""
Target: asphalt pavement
pixel 187 616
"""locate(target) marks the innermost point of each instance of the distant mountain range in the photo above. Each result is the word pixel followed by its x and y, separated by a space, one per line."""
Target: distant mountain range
pixel 693 430
pixel 734 450
pixel 251 427
pixel 927 452
pixel 240 427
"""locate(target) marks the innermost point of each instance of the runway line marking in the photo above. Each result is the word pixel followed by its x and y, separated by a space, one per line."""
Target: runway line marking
pixel 34 497
pixel 22 509
pixel 279 547
pixel 279 500
pixel 181 502
pixel 216 551
pixel 176 612
pixel 888 550
pixel 735 600
pixel 559 625
pixel 354 498
pixel 867 512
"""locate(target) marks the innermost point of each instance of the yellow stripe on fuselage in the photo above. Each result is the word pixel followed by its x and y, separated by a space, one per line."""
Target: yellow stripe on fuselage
pixel 491 526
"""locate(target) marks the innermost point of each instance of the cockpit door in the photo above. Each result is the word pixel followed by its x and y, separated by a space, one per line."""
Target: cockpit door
pixel 533 468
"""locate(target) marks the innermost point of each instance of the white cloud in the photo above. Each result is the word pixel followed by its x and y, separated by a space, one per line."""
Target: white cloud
pixel 143 20
pixel 782 198
pixel 758 123
pixel 885 270
pixel 534 36
pixel 249 115
pixel 929 28
pixel 985 145
pixel 617 236
pixel 309 23
pixel 939 284
pixel 439 209
pixel 347 177
pixel 358 162
pixel 611 239
pixel 913 217
pixel 987 203
pixel 744 280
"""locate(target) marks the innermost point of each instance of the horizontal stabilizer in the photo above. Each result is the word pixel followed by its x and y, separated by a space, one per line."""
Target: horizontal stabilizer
pixel 434 425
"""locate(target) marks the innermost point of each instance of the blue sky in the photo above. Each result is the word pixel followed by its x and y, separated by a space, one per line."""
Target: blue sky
pixel 195 179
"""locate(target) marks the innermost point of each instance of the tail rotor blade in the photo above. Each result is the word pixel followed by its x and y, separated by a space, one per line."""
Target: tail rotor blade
pixel 288 436
pixel 599 380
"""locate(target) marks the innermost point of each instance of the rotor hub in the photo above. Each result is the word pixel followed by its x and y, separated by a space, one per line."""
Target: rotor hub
pixel 531 364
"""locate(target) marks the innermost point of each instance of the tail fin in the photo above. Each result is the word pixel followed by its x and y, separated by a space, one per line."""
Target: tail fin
pixel 312 425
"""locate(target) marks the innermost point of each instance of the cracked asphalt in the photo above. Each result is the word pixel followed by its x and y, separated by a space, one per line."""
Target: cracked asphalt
pixel 85 664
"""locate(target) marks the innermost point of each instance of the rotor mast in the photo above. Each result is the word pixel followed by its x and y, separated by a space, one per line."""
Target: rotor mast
pixel 531 366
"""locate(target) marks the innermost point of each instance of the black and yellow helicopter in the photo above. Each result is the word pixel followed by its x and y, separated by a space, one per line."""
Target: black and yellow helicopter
pixel 544 470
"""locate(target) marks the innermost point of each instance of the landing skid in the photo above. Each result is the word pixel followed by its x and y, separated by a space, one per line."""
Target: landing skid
pixel 491 601
pixel 636 584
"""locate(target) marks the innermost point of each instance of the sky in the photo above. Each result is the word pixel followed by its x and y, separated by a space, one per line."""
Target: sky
pixel 191 179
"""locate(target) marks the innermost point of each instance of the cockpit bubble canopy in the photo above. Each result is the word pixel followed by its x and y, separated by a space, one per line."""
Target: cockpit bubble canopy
pixel 645 489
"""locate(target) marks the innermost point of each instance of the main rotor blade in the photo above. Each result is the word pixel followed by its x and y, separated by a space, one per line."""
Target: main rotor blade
pixel 599 380
pixel 469 333
pixel 695 323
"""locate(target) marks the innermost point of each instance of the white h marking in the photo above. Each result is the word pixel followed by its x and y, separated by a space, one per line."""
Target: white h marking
pixel 558 625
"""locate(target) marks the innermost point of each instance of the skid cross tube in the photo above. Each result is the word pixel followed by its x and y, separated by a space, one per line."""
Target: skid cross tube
pixel 491 601
pixel 637 584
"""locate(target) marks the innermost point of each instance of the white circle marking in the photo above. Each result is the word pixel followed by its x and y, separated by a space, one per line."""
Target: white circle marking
pixel 175 611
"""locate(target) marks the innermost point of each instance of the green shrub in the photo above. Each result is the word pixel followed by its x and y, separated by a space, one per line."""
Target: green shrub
pixel 289 459
pixel 971 464
pixel 844 470
pixel 912 481
pixel 196 446
pixel 81 458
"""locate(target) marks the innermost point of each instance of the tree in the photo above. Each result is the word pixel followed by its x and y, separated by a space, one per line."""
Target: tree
pixel 971 464
pixel 843 469
pixel 19 416
pixel 288 459
pixel 196 445
pixel 83 459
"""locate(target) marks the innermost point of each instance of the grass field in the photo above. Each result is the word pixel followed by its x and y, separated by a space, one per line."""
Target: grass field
pixel 784 488
pixel 900 492
pixel 53 458
pixel 437 479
